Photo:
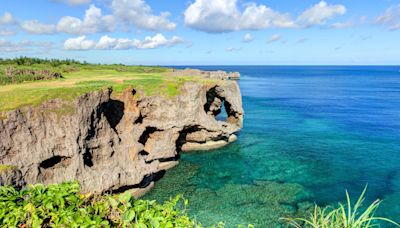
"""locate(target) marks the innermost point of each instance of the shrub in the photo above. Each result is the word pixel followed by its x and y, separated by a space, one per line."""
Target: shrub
pixel 63 205
pixel 344 216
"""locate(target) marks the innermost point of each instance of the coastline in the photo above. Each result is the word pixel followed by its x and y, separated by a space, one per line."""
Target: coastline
pixel 112 141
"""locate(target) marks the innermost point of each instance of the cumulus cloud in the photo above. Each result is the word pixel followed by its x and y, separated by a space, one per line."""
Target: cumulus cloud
pixel 7 19
pixel 35 27
pixel 156 41
pixel 138 14
pixel 247 38
pixel 79 43
pixel 108 43
pixel 93 22
pixel 216 16
pixel 127 13
pixel 274 38
pixel 390 18
pixel 320 13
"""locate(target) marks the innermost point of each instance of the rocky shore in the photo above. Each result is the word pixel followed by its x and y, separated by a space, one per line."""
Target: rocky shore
pixel 112 142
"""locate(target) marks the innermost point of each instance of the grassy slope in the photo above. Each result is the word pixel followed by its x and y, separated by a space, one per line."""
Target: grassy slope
pixel 149 80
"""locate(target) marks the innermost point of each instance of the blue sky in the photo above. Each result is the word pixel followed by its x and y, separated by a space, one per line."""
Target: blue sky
pixel 204 32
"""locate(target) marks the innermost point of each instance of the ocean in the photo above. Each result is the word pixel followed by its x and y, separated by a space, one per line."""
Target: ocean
pixel 310 133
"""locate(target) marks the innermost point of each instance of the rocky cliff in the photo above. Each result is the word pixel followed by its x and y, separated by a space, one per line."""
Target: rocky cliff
pixel 112 142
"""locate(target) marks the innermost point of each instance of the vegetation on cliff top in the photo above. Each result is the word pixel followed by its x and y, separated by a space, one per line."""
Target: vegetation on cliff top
pixel 77 79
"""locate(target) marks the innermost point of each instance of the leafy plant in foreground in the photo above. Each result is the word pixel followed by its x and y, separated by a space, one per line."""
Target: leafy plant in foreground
pixel 63 205
pixel 345 216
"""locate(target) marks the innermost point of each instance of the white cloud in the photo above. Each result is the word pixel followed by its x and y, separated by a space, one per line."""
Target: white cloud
pixel 93 22
pixel 24 46
pixel 247 38
pixel 349 23
pixel 390 18
pixel 342 25
pixel 274 38
pixel 8 46
pixel 108 43
pixel 138 14
pixel 320 13
pixel 394 27
pixel 216 16
pixel 75 2
pixel 35 27
pixel 79 43
pixel 260 17
pixel 128 13
pixel 7 32
pixel 7 19
pixel 232 49
pixel 157 41
pixel 177 40
pixel 151 42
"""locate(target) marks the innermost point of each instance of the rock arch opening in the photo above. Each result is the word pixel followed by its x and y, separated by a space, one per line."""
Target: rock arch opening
pixel 216 105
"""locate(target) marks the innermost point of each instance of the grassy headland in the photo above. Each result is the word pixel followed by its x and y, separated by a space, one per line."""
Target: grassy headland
pixel 79 78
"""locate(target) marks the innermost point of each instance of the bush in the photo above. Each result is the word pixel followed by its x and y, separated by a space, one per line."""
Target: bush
pixel 63 205
pixel 345 216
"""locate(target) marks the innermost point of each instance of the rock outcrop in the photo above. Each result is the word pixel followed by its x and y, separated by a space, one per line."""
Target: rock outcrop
pixel 222 75
pixel 112 142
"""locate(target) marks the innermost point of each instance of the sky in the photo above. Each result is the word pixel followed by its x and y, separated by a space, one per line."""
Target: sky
pixel 204 32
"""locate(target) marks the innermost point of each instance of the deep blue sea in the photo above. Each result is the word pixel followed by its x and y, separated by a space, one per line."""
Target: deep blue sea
pixel 310 133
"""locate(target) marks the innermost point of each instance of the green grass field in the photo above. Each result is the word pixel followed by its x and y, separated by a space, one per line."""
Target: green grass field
pixel 79 79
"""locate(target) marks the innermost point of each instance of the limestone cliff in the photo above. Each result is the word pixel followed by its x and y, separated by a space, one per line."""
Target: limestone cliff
pixel 112 142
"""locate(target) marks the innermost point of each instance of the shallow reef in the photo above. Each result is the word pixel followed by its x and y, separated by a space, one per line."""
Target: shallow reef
pixel 261 203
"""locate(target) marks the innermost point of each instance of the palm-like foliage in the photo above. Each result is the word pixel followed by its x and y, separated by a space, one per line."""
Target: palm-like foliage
pixel 344 216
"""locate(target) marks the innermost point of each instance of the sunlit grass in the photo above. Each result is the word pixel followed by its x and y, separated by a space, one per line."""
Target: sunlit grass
pixel 147 81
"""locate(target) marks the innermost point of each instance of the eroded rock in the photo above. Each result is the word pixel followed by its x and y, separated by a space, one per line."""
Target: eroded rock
pixel 113 142
pixel 11 176
pixel 221 75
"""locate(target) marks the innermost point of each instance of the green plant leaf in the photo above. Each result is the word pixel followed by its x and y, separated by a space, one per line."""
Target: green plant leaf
pixel 125 197
pixel 129 215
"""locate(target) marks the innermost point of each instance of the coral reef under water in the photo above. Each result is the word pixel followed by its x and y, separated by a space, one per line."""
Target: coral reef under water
pixel 261 203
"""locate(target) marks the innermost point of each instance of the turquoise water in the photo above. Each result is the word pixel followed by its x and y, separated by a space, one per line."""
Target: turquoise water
pixel 309 134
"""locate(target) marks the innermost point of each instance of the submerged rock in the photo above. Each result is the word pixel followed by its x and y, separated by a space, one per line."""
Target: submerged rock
pixel 261 203
pixel 111 141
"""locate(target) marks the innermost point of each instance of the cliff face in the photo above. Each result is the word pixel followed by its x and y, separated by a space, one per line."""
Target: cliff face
pixel 114 142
